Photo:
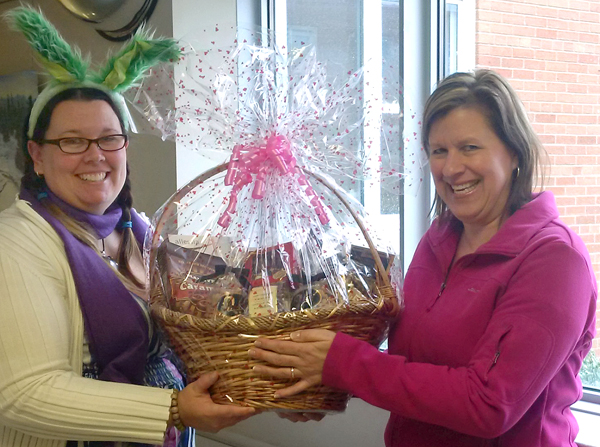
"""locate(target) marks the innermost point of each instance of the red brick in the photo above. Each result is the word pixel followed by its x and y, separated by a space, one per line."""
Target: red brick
pixel 545 33
pixel 503 6
pixel 585 219
pixel 587 159
pixel 534 64
pixel 594 89
pixel 592 79
pixel 582 27
pixel 567 14
pixel 526 53
pixel 575 130
pixel 565 159
pixel 576 88
pixel 513 19
pixel 569 35
pixel 557 24
pixel 501 28
pixel 567 119
pixel 487 16
pixel 512 63
pixel 545 97
pixel 587 139
pixel 556 87
pixel 524 74
pixel 593 17
pixel 564 56
pixel 575 210
pixel 568 77
pixel 566 139
pixel 589 37
pixel 588 58
pixel 547 139
pixel 577 68
pixel 542 11
pixel 587 119
pixel 542 74
pixel 504 51
pixel 584 180
pixel 593 129
pixel 488 61
pixel 558 45
pixel 534 21
pixel 557 66
pixel 580 5
pixel 585 200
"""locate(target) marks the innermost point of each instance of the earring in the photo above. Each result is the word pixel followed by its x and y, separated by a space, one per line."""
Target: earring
pixel 39 175
pixel 518 172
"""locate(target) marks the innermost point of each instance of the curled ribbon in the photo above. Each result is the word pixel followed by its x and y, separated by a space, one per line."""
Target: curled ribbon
pixel 245 162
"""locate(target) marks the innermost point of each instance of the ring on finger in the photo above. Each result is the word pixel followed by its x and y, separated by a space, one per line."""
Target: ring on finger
pixel 293 372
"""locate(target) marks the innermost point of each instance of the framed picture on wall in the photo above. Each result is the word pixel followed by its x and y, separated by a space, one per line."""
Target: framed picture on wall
pixel 17 93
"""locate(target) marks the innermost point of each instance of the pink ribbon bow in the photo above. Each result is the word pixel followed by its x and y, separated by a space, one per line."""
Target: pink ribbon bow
pixel 246 161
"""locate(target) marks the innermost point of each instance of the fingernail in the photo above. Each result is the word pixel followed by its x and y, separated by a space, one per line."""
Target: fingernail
pixel 295 335
pixel 258 343
pixel 251 352
pixel 276 395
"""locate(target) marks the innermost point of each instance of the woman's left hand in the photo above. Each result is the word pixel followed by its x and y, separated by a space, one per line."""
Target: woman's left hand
pixel 301 358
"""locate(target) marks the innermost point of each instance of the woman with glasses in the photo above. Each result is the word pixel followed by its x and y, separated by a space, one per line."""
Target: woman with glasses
pixel 76 340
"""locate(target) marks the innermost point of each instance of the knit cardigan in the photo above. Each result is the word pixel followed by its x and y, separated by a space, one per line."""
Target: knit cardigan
pixel 44 400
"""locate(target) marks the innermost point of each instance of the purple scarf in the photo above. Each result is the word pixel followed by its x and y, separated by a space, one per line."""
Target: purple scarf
pixel 115 325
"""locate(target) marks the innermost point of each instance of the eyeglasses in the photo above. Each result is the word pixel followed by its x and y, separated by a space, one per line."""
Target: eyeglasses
pixel 78 145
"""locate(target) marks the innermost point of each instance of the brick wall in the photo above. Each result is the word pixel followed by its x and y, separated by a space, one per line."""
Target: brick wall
pixel 550 52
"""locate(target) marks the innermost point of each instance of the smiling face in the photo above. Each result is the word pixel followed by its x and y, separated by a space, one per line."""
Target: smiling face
pixel 92 180
pixel 471 167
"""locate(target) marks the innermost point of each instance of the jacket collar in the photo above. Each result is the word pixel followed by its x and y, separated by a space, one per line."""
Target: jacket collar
pixel 511 238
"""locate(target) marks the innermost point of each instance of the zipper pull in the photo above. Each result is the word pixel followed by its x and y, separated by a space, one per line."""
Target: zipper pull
pixel 496 356
pixel 443 286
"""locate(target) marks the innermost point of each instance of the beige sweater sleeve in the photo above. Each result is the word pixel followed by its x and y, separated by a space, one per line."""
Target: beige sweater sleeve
pixel 42 394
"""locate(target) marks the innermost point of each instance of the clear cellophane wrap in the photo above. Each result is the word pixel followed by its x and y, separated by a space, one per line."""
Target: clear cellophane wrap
pixel 273 238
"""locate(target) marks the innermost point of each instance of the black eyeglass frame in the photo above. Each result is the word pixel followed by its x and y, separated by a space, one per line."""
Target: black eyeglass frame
pixel 57 142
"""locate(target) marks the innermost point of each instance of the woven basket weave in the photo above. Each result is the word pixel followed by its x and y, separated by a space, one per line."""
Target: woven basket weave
pixel 222 344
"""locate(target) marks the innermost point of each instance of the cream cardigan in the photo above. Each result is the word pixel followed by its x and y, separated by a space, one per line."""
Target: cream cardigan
pixel 44 401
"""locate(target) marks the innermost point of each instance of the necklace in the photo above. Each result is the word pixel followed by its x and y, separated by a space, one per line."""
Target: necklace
pixel 114 264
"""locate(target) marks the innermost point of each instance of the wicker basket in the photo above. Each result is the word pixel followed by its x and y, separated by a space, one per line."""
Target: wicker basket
pixel 222 344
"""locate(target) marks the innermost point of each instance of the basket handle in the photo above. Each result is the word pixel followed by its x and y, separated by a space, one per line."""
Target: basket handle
pixel 171 206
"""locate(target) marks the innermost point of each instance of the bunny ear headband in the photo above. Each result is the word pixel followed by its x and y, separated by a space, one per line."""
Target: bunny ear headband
pixel 68 69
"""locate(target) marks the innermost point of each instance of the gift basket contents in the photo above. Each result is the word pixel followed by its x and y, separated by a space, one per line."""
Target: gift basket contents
pixel 273 239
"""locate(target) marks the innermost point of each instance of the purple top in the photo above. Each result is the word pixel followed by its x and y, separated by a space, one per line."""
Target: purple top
pixel 116 328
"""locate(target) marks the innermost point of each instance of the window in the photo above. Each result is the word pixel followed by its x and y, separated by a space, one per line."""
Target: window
pixel 350 34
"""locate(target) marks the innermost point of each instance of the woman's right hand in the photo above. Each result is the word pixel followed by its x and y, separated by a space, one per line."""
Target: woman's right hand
pixel 197 409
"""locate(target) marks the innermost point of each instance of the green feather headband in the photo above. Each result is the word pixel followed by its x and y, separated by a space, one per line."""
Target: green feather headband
pixel 68 69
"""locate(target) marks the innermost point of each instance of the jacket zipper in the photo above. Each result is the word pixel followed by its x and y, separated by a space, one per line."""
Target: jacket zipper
pixel 498 352
pixel 443 286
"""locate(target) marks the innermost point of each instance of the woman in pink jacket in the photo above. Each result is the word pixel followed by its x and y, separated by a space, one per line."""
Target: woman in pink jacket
pixel 499 299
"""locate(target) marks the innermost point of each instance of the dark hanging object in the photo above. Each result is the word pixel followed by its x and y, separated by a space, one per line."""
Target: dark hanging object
pixel 93 11
pixel 139 19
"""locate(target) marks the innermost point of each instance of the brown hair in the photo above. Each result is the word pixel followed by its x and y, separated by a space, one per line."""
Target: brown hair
pixel 507 116
pixel 32 182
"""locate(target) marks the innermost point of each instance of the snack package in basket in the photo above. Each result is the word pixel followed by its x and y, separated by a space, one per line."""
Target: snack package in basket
pixel 274 238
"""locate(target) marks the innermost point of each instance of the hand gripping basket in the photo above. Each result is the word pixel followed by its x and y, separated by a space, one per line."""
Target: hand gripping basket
pixel 222 344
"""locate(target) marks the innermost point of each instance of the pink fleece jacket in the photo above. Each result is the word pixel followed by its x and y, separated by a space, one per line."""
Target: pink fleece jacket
pixel 491 358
